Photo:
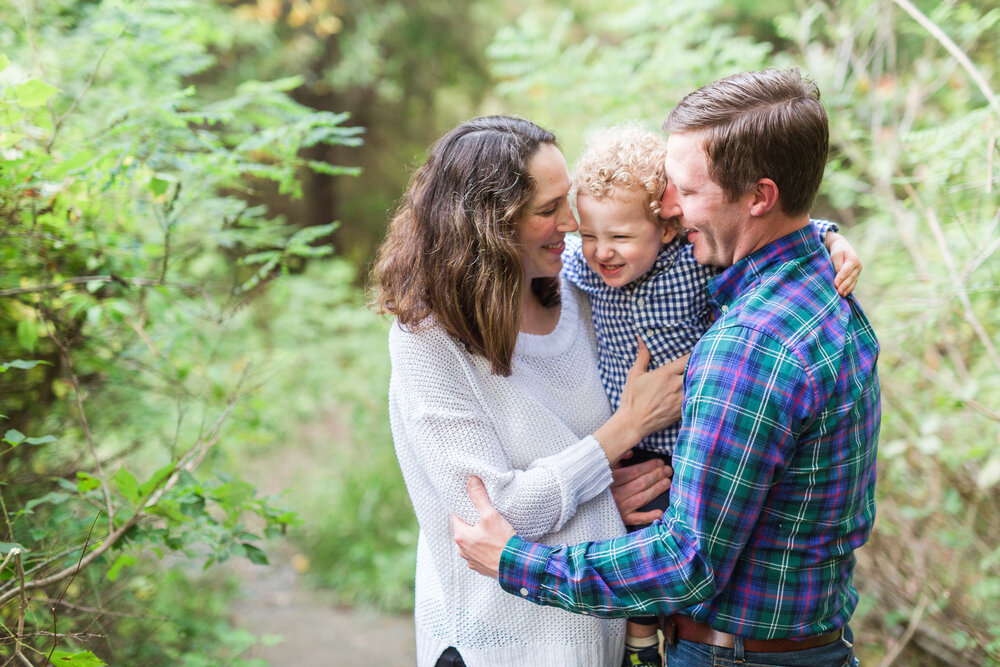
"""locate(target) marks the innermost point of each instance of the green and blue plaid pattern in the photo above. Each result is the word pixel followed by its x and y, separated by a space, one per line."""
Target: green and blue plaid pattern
pixel 774 468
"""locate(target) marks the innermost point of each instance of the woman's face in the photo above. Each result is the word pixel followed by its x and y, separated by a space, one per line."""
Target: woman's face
pixel 547 216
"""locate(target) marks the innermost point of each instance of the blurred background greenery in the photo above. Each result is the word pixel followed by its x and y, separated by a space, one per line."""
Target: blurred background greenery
pixel 190 197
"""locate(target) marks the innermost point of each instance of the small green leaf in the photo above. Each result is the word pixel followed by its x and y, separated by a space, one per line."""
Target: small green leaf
pixel 123 560
pixel 234 493
pixel 13 437
pixel 82 659
pixel 158 186
pixel 21 364
pixel 86 482
pixel 256 556
pixel 34 93
pixel 27 334
pixel 127 485
pixel 155 480
pixel 53 497
pixel 4 61
pixel 5 547
pixel 43 440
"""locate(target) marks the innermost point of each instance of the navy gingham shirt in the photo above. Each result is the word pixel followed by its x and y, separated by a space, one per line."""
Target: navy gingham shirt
pixel 668 307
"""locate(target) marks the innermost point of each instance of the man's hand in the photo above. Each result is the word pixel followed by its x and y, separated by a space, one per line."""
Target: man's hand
pixel 482 544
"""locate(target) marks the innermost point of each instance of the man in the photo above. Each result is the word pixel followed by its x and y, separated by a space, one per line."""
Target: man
pixel 774 478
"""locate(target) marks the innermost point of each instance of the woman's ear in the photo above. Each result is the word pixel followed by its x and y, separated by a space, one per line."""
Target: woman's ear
pixel 765 197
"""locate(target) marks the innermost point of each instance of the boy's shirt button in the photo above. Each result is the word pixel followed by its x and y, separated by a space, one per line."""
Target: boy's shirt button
pixel 640 302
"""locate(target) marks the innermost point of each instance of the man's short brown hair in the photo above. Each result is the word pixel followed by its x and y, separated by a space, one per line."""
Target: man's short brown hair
pixel 767 124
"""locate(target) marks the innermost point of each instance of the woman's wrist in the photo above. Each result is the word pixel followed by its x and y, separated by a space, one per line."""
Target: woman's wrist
pixel 618 435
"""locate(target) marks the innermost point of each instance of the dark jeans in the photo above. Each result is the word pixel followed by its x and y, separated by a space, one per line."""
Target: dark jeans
pixel 839 653
pixel 450 658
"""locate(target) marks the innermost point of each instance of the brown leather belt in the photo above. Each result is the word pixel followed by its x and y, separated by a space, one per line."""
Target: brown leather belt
pixel 686 628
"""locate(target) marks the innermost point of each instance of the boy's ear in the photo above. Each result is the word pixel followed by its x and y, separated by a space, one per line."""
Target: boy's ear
pixel 764 197
pixel 669 231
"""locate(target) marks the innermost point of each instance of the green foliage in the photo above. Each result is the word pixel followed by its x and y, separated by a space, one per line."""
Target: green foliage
pixel 130 254
pixel 636 60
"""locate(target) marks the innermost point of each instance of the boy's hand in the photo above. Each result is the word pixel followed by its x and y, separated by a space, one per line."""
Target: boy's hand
pixel 634 486
pixel 846 263
pixel 482 544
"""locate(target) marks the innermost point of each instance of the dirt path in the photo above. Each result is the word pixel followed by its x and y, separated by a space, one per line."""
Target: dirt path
pixel 305 629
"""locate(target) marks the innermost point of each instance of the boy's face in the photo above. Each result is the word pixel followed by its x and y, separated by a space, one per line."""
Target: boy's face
pixel 621 236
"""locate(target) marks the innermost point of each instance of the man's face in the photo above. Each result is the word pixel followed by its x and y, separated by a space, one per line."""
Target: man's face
pixel 714 224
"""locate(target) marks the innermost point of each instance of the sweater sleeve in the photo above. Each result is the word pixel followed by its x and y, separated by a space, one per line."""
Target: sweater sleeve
pixel 444 430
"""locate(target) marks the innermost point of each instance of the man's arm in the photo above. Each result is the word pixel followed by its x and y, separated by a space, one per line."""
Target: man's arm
pixel 743 392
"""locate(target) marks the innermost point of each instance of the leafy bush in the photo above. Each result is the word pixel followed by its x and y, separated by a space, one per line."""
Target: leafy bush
pixel 130 253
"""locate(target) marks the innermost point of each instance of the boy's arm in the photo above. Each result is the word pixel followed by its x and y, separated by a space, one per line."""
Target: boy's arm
pixel 846 263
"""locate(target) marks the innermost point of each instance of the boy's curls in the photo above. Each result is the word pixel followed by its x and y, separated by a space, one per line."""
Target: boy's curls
pixel 624 156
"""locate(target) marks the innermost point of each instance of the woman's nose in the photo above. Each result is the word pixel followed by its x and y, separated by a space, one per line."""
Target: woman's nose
pixel 567 221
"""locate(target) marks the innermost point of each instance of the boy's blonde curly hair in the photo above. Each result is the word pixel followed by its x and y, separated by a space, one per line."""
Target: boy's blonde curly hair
pixel 623 156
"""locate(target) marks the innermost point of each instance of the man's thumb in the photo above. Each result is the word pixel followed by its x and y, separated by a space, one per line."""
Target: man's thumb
pixel 477 493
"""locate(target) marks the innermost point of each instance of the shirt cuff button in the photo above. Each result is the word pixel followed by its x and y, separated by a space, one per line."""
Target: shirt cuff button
pixel 524 592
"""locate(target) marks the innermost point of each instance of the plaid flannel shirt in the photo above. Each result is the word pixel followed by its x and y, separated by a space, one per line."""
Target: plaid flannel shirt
pixel 774 476
pixel 668 307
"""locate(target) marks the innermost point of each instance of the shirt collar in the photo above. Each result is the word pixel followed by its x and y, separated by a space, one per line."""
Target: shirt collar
pixel 726 287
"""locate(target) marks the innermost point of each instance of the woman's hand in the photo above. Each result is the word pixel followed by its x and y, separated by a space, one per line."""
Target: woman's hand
pixel 651 401
pixel 846 263
pixel 634 486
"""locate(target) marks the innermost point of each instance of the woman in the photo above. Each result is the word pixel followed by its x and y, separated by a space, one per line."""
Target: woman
pixel 495 374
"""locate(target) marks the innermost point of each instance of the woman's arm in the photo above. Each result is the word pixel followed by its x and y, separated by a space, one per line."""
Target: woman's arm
pixel 444 435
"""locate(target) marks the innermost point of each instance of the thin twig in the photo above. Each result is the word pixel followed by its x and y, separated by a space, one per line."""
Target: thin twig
pixel 99 612
pixel 58 124
pixel 135 282
pixel 24 604
pixel 78 392
pixel 911 628
pixel 953 49
pixel 55 616
pixel 187 463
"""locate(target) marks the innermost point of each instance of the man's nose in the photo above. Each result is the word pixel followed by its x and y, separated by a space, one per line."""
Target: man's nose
pixel 669 206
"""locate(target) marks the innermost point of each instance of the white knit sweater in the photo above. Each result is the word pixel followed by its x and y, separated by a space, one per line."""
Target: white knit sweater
pixel 527 437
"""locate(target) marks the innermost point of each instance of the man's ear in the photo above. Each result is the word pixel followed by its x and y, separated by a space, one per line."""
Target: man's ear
pixel 764 197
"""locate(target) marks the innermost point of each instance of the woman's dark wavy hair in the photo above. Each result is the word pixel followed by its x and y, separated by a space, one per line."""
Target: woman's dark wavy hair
pixel 452 248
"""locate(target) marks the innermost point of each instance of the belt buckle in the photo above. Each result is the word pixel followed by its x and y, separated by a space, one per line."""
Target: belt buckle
pixel 669 631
